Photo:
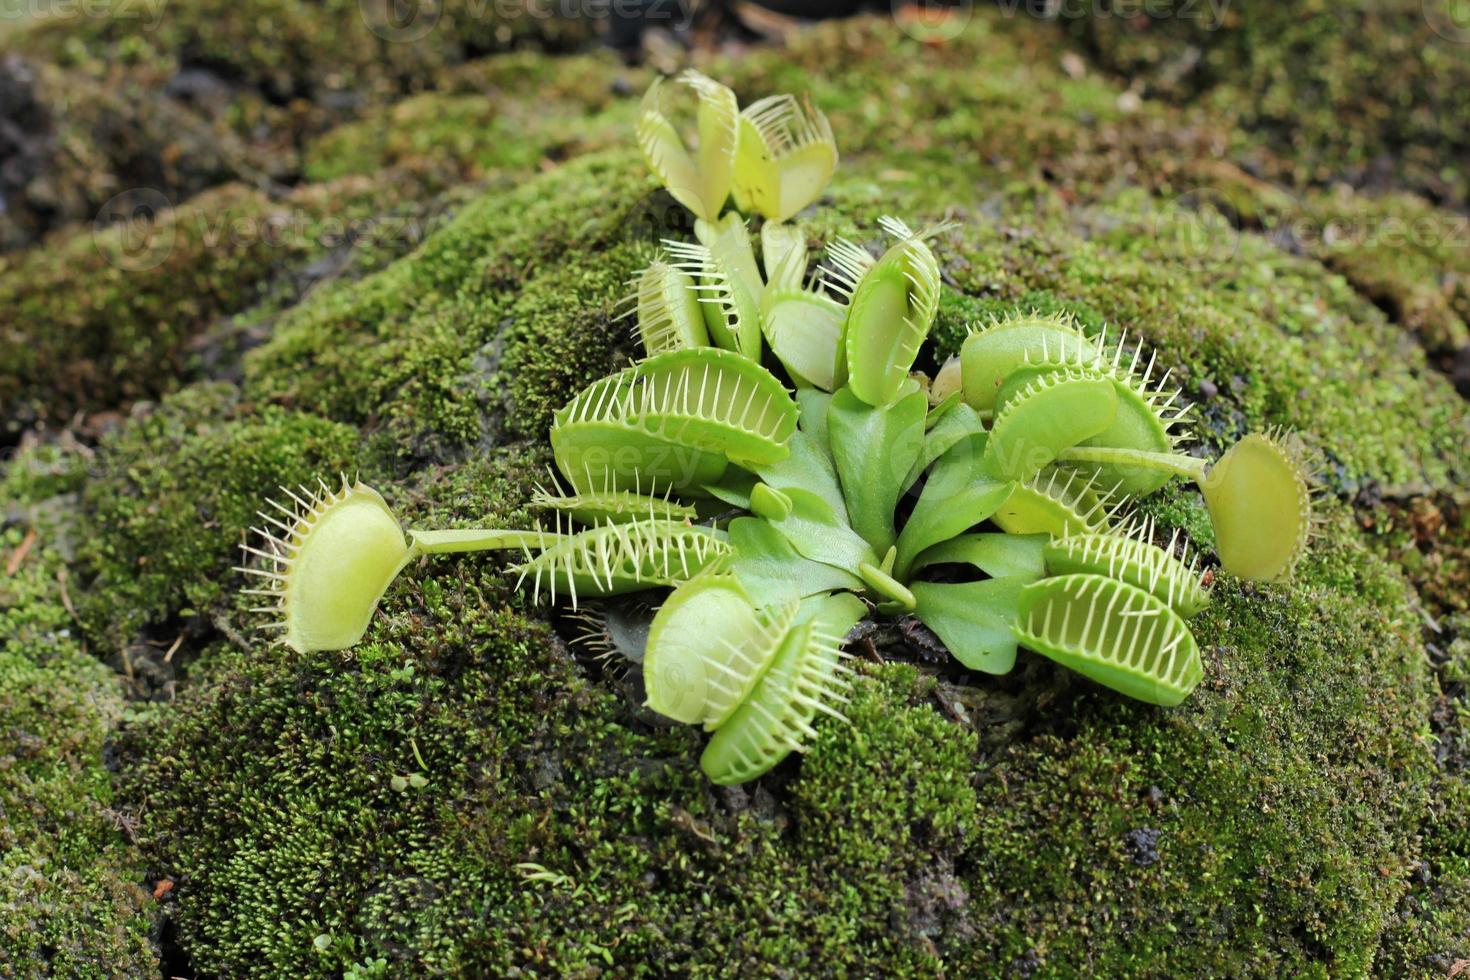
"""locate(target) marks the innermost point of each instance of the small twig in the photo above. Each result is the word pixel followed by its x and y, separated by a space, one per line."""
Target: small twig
pixel 65 595
pixel 169 656
pixel 19 555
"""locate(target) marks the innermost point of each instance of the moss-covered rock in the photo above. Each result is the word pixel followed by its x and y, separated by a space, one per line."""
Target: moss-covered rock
pixel 165 518
pixel 1369 92
pixel 146 300
pixel 464 792
pixel 181 97
pixel 72 901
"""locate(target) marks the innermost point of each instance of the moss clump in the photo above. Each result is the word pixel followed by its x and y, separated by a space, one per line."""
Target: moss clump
pixel 1261 829
pixel 71 901
pixel 1218 302
pixel 421 347
pixel 470 136
pixel 1267 826
pixel 475 804
pixel 463 794
pixel 1404 255
pixel 180 98
pixel 165 517
pixel 1256 335
pixel 1357 90
pixel 108 317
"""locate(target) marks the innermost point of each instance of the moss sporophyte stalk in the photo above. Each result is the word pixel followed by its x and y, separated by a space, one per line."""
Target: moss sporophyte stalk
pixel 775 462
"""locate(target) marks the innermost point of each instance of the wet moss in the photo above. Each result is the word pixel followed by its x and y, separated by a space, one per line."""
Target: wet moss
pixel 1369 92
pixel 463 793
pixel 71 896
pixel 182 97
pixel 1261 830
pixel 103 318
pixel 165 510
pixel 423 347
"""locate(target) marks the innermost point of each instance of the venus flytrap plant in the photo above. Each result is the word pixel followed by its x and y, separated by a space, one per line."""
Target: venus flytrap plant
pixel 699 180
pixel 1114 633
pixel 672 421
pixel 892 307
pixel 786 156
pixel 668 313
pixel 805 326
pixel 983 503
pixel 727 287
pixel 330 556
pixel 1058 501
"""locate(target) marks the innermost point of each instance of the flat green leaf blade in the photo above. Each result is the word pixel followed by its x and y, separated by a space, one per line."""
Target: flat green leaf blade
pixel 973 619
pixel 1018 556
pixel 818 534
pixel 808 468
pixel 771 569
pixel 958 496
pixel 874 449
pixel 959 421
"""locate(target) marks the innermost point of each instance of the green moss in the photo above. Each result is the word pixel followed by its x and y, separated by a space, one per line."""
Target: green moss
pixel 163 520
pixel 1355 90
pixel 1404 255
pixel 1256 335
pixel 110 317
pixel 468 137
pixel 464 794
pixel 71 901
pixel 421 347
pixel 182 97
pixel 291 48
pixel 1260 830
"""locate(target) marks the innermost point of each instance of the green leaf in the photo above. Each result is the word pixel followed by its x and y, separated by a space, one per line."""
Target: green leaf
pixel 804 331
pixel 733 488
pixel 958 495
pixel 818 534
pixel 771 569
pixel 957 422
pixel 808 468
pixel 874 448
pixel 973 619
pixel 997 555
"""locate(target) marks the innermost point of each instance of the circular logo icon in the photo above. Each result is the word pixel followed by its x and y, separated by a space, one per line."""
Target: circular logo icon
pixel 1202 223
pixel 127 231
pixel 1450 19
pixel 932 21
pixel 400 21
